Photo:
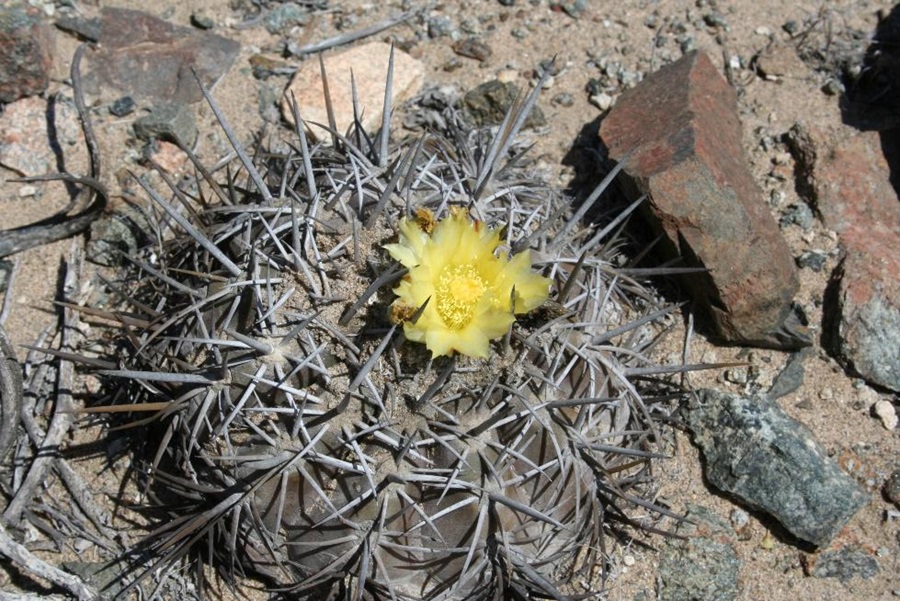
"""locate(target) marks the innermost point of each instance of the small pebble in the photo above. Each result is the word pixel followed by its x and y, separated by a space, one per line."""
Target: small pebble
pixel 473 48
pixel 201 20
pixel 833 87
pixel 886 412
pixel 602 101
pixel 563 99
pixel 628 560
pixel 27 191
pixel 812 260
pixel 892 488
pixel 507 75
pixel 122 106
pixel 439 27
pixel 763 30
pixel 715 19
pixel 791 27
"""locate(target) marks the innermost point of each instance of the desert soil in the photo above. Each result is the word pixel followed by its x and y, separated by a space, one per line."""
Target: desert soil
pixel 641 35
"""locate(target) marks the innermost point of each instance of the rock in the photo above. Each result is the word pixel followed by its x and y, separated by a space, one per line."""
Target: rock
pixel 439 26
pixel 789 379
pixel 703 564
pixel 680 137
pixel 26 146
pixel 866 332
pixel 168 156
pixel 154 61
pixel 489 103
pixel 285 16
pixel 798 214
pixel 166 121
pixel 369 64
pixel 26 53
pixel 849 183
pixel 812 260
pixel 121 232
pixel 771 462
pixel 122 106
pixel 892 488
pixel 473 48
pixel 886 413
pixel 780 61
pixel 844 564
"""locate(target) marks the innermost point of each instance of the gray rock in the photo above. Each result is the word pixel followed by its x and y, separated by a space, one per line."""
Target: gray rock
pixel 166 121
pixel 844 564
pixel 702 565
pixel 771 462
pixel 439 27
pixel 285 16
pixel 798 214
pixel 115 234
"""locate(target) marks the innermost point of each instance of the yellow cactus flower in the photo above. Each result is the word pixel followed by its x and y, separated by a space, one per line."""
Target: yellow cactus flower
pixel 472 293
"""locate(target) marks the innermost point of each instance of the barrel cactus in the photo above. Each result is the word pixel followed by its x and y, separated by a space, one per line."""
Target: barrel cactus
pixel 389 369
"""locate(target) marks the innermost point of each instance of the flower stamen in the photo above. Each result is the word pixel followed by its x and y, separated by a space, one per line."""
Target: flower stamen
pixel 459 290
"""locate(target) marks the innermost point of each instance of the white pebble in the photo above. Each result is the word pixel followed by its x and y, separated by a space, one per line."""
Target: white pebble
pixel 628 560
pixel 885 411
pixel 27 190
pixel 602 101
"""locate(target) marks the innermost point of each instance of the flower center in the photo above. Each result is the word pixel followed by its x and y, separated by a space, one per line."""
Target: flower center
pixel 458 291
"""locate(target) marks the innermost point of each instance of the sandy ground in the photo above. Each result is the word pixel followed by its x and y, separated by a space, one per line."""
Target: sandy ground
pixel 834 405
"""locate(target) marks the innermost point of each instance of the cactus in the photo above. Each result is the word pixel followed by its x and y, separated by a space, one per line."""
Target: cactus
pixel 299 435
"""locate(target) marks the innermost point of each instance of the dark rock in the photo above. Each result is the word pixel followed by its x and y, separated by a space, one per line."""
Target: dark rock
pixel 154 61
pixel 789 379
pixel 844 564
pixel 201 20
pixel 122 106
pixel 26 53
pixel 892 488
pixel 121 232
pixel 86 29
pixel 791 27
pixel 812 260
pixel 703 564
pixel 679 134
pixel 473 48
pixel 489 103
pixel 771 462
pixel 168 121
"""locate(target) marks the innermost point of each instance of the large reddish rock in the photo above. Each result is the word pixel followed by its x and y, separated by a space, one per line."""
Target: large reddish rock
pixel 26 51
pixel 680 137
pixel 847 179
pixel 153 60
